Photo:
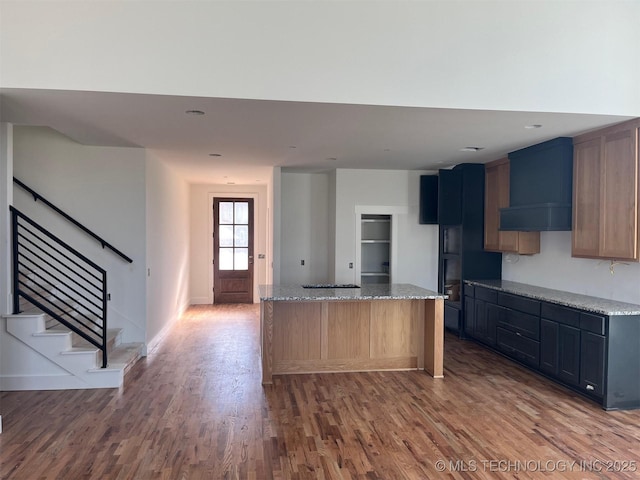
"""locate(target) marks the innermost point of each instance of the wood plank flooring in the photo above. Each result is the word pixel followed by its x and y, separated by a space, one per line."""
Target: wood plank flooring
pixel 195 409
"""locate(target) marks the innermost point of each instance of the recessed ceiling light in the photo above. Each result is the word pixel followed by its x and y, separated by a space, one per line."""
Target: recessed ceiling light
pixel 215 154
pixel 535 125
pixel 194 112
pixel 471 149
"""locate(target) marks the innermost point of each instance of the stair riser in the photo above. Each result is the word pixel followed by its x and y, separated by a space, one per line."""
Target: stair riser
pixel 57 348
pixel 28 308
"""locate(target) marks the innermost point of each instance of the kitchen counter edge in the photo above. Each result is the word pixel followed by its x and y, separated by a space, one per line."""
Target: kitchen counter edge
pixel 292 293
pixel 583 302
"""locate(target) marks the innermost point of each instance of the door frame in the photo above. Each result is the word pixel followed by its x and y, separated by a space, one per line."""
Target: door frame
pixel 394 212
pixel 256 198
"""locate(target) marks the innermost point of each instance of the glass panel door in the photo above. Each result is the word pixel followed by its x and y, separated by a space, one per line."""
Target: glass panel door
pixel 233 250
pixel 233 247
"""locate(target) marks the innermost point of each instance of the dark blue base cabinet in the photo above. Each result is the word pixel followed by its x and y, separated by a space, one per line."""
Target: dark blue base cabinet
pixel 596 355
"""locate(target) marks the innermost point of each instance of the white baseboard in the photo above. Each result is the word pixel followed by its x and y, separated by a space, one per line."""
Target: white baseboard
pixel 208 301
pixel 157 340
pixel 183 308
pixel 200 301
pixel 13 383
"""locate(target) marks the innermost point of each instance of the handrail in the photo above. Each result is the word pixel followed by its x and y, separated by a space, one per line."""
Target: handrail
pixel 50 274
pixel 36 196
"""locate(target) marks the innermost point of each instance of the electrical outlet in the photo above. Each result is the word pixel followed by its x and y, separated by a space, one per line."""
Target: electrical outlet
pixel 301 262
pixel 350 264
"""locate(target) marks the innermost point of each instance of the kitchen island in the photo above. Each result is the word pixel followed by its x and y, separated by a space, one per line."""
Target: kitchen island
pixel 328 329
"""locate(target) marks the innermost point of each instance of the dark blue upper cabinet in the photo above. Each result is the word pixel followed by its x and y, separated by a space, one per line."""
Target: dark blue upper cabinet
pixel 450 197
pixel 428 199
pixel 541 178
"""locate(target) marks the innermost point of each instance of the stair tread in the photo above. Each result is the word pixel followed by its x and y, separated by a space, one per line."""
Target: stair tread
pixel 24 314
pixel 124 356
pixel 51 331
pixel 74 350
pixel 111 332
pixel 81 345
pixel 123 351
pixel 32 310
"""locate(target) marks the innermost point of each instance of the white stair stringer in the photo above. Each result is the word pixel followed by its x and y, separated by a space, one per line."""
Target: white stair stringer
pixel 83 362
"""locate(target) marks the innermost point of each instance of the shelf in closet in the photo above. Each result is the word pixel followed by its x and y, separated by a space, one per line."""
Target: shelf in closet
pixel 375 248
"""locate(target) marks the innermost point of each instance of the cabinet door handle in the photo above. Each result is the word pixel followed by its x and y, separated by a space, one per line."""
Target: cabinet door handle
pixel 518 334
pixel 590 387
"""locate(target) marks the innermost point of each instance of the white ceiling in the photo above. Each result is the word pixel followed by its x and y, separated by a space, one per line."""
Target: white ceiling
pixel 252 136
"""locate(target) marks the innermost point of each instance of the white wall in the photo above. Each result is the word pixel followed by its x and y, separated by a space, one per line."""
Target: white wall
pixel 6 199
pixel 305 228
pixel 554 268
pixel 523 55
pixel 274 206
pixel 201 236
pixel 167 223
pixel 332 226
pixel 104 189
pixel 417 244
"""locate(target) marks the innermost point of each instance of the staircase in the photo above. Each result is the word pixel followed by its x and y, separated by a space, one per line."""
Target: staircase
pixel 80 361
pixel 60 310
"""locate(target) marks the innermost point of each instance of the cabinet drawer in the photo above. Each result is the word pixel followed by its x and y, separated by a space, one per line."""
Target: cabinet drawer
pixel 519 303
pixel 592 323
pixel 521 323
pixel 469 290
pixel 565 315
pixel 487 294
pixel 519 347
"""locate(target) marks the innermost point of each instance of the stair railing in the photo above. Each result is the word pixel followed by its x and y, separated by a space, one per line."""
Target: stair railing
pixel 36 196
pixel 59 280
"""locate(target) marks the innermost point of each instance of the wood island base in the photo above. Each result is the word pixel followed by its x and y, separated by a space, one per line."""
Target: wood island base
pixel 351 336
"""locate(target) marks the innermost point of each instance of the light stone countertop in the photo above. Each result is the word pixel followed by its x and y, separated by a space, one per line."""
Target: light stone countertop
pixel 394 291
pixel 583 302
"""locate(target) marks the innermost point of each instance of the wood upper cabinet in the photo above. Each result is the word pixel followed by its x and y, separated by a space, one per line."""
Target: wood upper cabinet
pixel 496 197
pixel 605 193
pixel 586 198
